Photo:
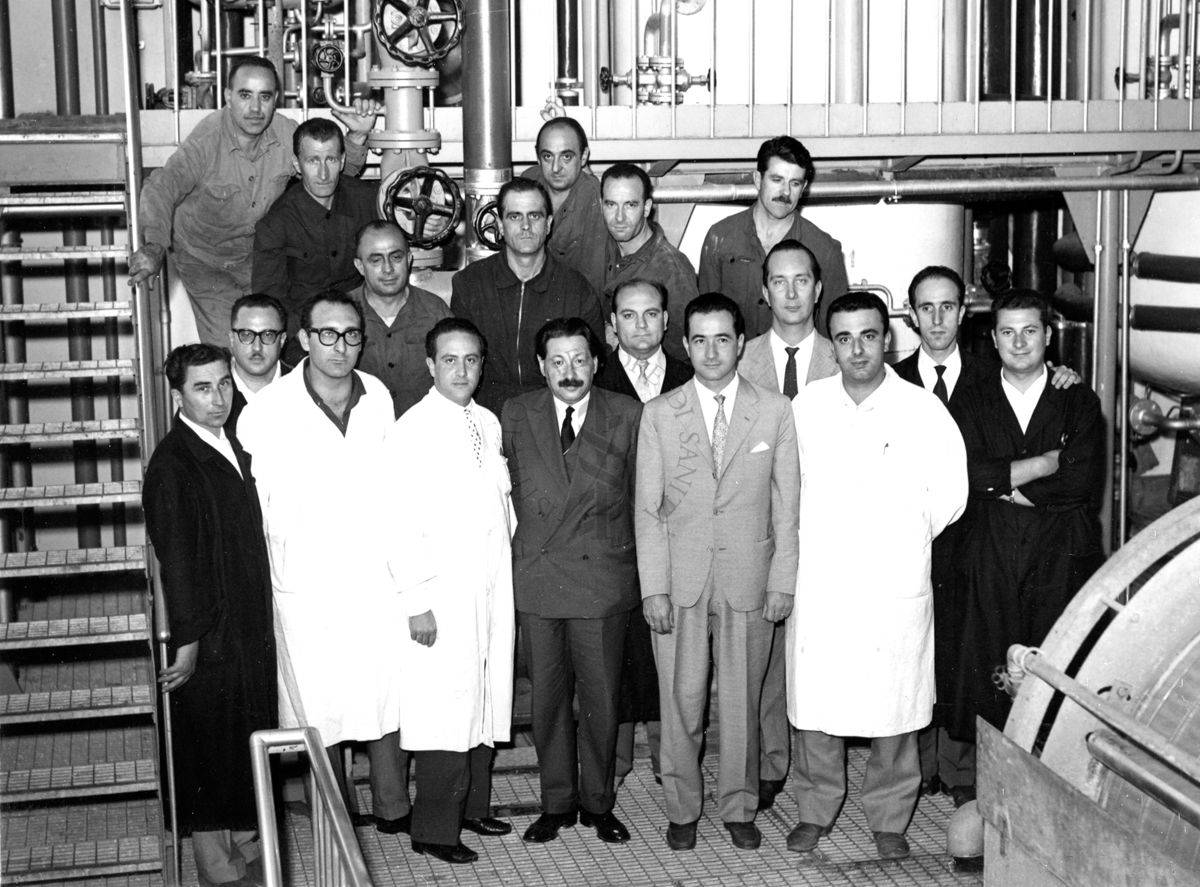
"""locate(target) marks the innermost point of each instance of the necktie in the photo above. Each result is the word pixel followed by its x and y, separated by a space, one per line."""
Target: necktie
pixel 789 374
pixel 476 438
pixel 719 432
pixel 567 434
pixel 642 383
pixel 939 387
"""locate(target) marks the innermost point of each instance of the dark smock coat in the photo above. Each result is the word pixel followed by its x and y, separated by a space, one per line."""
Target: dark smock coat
pixel 206 527
pixel 1021 566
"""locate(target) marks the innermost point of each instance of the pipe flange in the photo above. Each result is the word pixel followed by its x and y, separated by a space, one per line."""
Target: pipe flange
pixel 398 78
pixel 485 182
pixel 426 140
pixel 427 258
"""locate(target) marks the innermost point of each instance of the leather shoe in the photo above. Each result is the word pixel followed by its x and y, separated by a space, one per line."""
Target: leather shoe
pixel 891 845
pixel 768 789
pixel 395 826
pixel 961 794
pixel 545 827
pixel 608 828
pixel 487 826
pixel 804 837
pixel 681 837
pixel 745 835
pixel 932 785
pixel 458 854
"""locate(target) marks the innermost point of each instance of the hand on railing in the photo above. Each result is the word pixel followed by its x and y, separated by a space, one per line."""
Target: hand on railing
pixel 146 263
pixel 180 671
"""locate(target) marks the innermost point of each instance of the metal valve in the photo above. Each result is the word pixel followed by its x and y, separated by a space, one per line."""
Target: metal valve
pixel 418 32
pixel 328 57
pixel 654 78
pixel 425 202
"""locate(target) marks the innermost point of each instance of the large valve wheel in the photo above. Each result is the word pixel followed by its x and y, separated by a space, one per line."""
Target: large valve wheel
pixel 487 225
pixel 418 32
pixel 425 202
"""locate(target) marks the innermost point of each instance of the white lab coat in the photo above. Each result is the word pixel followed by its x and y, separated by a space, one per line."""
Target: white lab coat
pixel 879 481
pixel 450 552
pixel 336 614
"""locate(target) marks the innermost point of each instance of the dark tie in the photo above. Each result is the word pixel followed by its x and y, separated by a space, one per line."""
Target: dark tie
pixel 567 434
pixel 789 374
pixel 939 387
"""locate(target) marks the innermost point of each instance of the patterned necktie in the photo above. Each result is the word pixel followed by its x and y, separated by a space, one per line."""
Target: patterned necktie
pixel 789 374
pixel 939 387
pixel 476 438
pixel 642 383
pixel 719 432
pixel 567 434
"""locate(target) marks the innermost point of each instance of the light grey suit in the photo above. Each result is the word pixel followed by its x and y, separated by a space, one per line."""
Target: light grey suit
pixel 716 546
pixel 775 733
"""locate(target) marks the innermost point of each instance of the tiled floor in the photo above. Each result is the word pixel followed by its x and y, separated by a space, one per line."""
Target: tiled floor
pixel 847 857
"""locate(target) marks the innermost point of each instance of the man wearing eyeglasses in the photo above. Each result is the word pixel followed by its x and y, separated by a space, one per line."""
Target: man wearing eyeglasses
pixel 316 436
pixel 256 337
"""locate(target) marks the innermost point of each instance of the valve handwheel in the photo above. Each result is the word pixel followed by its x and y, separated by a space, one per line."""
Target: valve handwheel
pixel 328 57
pixel 425 202
pixel 418 32
pixel 487 225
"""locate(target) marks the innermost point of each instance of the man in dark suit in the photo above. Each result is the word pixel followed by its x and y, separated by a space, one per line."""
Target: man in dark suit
pixel 718 497
pixel 257 332
pixel 202 514
pixel 571 451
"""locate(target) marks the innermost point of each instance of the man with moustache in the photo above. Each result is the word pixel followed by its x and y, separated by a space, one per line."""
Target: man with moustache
pixel 638 249
pixel 736 247
pixel 577 236
pixel 718 491
pixel 790 354
pixel 883 472
pixel 398 314
pixel 256 337
pixel 204 202
pixel 451 564
pixel 510 295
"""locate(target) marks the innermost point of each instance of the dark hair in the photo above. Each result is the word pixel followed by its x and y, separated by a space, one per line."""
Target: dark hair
pixel 522 185
pixel 936 272
pixel 795 246
pixel 566 122
pixel 625 170
pixel 448 325
pixel 1019 299
pixel 788 150
pixel 251 61
pixel 176 365
pixel 858 300
pixel 713 303
pixel 331 297
pixel 566 328
pixel 376 225
pixel 258 300
pixel 319 129
pixel 640 281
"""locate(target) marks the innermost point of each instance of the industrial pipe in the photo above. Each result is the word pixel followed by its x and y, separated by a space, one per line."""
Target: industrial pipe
pixel 566 86
pixel 1175 269
pixel 1165 319
pixel 487 110
pixel 1146 774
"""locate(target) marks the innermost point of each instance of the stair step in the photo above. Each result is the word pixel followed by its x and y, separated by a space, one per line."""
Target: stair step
pixel 71 494
pixel 62 253
pixel 65 199
pixel 67 432
pixel 80 631
pixel 66 311
pixel 73 705
pixel 86 780
pixel 87 859
pixel 65 369
pixel 62 562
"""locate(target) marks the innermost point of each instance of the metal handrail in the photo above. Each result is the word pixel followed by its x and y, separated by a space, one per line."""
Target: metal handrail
pixel 336 855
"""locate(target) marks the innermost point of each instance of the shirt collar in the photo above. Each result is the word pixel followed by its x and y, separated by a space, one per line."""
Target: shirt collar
pixel 244 387
pixel 952 362
pixel 266 140
pixel 656 361
pixel 579 410
pixel 205 434
pixel 357 390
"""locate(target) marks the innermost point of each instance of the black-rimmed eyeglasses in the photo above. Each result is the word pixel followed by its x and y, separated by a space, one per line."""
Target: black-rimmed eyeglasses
pixel 328 336
pixel 267 337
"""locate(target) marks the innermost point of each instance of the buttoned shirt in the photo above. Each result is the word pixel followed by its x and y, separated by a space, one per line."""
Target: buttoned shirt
pixel 658 261
pixel 577 416
pixel 208 196
pixel 656 371
pixel 578 235
pixel 219 441
pixel 803 357
pixel 1024 402
pixel 708 403
pixel 953 365
pixel 395 352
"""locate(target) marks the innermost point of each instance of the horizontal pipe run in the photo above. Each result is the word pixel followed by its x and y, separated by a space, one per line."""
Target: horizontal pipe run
pixel 950 188
pixel 1146 774
pixel 1175 269
pixel 1165 319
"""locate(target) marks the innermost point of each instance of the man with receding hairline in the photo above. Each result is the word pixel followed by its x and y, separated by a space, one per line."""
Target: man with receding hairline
pixel 257 333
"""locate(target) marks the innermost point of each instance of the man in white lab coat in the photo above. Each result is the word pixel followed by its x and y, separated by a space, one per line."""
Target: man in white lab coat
pixel 316 436
pixel 882 473
pixel 450 554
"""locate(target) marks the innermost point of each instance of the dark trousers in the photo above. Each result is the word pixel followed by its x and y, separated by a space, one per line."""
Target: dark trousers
pixel 389 776
pixel 451 786
pixel 569 659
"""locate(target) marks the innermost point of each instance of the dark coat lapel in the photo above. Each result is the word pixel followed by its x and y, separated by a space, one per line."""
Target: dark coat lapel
pixel 544 427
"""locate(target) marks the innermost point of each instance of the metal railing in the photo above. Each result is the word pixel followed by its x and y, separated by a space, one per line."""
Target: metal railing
pixel 337 858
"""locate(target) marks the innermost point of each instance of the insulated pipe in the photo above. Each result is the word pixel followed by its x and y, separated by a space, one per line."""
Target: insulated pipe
pixel 1105 341
pixel 848 52
pixel 487 110
pixel 1176 269
pixel 568 51
pixel 1165 319
pixel 6 70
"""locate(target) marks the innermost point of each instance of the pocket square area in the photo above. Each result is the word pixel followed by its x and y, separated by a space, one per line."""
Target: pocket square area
pixel 760 447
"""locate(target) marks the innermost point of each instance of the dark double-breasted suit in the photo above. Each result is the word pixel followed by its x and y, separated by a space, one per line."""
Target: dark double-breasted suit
pixel 575 583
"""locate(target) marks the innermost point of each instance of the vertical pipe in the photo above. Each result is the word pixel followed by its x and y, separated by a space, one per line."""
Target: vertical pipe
pixel 673 52
pixel 903 64
pixel 591 58
pixel 865 56
pixel 1122 411
pixel 1152 40
pixel 750 59
pixel 1108 260
pixel 1124 56
pixel 568 51
pixel 1192 67
pixel 1012 65
pixel 791 74
pixel 847 43
pixel 487 108
pixel 830 60
pixel 975 35
pixel 1048 50
pixel 1087 60
pixel 712 89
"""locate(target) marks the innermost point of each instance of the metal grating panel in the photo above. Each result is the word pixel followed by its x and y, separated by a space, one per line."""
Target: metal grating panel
pixel 115 856
pixel 59 253
pixel 73 632
pixel 73 560
pixel 71 494
pixel 68 432
pixel 65 369
pixel 54 783
pixel 64 705
pixel 66 310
